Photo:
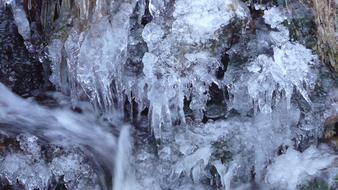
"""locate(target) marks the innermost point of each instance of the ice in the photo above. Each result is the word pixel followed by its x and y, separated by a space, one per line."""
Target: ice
pixel 294 168
pixel 292 66
pixel 77 174
pixel 30 145
pixel 164 69
pixel 274 17
pixel 210 17
pixel 194 161
pixel 17 168
pixel 35 173
pixel 55 55
pixel 21 20
pixel 96 56
pixel 225 173
pixel 152 33
pixel 155 6
pixel 182 72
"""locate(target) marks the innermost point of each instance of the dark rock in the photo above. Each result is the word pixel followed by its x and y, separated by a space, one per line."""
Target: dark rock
pixel 18 69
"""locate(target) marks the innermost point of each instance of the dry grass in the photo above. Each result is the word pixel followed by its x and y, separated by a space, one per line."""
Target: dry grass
pixel 325 12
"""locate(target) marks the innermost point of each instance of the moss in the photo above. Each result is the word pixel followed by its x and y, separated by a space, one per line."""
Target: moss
pixel 302 30
pixel 316 184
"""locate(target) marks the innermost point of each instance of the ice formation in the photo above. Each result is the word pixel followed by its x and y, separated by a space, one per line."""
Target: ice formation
pixel 293 168
pixel 175 59
pixel 158 63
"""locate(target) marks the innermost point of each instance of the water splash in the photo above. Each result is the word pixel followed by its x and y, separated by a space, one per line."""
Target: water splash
pixel 59 127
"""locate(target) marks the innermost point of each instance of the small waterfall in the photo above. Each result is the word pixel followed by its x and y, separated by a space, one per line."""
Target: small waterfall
pixel 124 178
pixel 48 131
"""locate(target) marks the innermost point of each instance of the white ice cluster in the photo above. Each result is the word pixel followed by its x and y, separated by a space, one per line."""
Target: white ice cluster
pixel 294 168
pixel 271 78
pixel 179 63
pixel 30 170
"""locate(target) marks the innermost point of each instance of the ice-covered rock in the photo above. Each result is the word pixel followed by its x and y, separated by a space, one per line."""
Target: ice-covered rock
pixel 268 77
pixel 294 168
pixel 276 75
pixel 274 17
pixel 197 21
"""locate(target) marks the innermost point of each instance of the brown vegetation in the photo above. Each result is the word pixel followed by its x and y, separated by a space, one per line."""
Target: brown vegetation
pixel 325 12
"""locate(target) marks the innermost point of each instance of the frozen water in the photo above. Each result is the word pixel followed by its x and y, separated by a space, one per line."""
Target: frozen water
pixel 55 55
pixel 274 17
pixel 270 77
pixel 210 17
pixel 18 168
pixel 163 70
pixel 21 20
pixel 278 74
pixel 294 168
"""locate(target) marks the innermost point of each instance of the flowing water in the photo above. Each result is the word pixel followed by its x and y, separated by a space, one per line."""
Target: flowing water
pixel 154 94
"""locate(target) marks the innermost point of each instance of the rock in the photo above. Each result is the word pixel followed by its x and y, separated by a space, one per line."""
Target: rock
pixel 19 70
pixel 331 131
pixel 315 184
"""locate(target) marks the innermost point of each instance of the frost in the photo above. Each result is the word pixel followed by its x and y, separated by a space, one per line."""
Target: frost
pixel 76 173
pixel 29 145
pixel 293 168
pixel 274 17
pixel 210 17
pixel 17 167
pixel 269 78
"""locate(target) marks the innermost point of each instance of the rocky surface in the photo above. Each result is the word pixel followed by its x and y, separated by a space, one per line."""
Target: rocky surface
pixel 20 69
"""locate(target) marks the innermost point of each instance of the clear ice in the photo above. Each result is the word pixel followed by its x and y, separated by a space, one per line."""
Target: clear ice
pixel 260 134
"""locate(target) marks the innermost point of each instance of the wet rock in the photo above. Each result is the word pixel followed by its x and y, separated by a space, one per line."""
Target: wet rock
pixel 331 131
pixel 301 24
pixel 19 70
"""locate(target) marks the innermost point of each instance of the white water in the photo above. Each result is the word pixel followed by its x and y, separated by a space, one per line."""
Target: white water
pixel 59 127
pixel 124 176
